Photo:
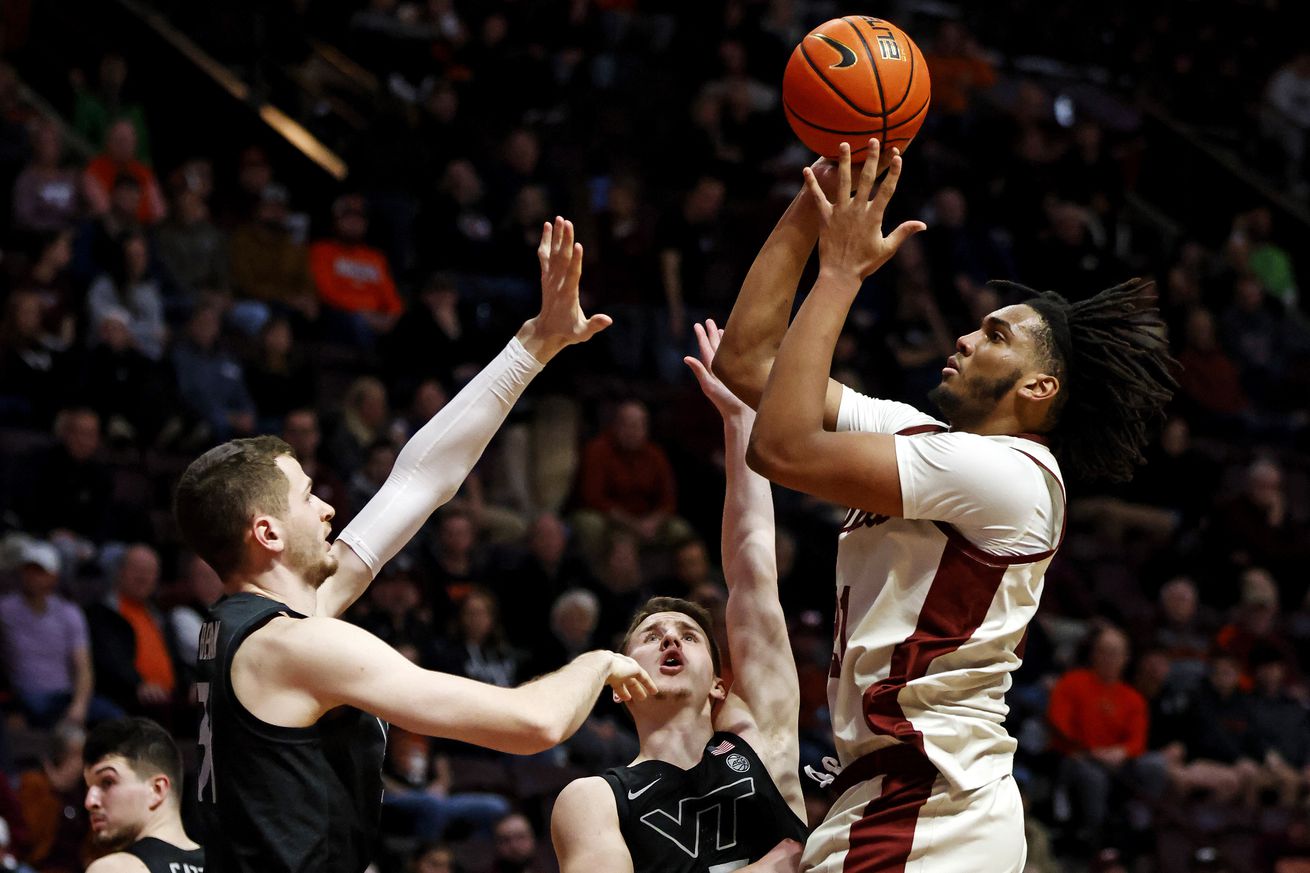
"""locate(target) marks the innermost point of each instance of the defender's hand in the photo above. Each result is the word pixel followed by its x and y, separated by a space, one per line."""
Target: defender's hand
pixel 708 337
pixel 561 321
pixel 628 679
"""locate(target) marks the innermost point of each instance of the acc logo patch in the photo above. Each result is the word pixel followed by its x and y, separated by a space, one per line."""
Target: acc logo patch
pixel 738 763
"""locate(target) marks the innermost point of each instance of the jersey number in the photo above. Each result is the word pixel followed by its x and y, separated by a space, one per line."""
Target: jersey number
pixel 206 742
pixel 839 632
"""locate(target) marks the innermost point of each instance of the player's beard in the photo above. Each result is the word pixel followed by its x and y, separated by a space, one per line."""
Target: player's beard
pixel 311 560
pixel 964 408
pixel 116 839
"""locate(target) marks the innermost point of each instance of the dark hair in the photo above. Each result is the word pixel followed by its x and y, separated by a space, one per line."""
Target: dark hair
pixel 146 747
pixel 222 489
pixel 1111 355
pixel 694 611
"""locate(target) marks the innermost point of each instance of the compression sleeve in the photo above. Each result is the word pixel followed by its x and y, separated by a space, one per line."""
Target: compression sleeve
pixel 436 460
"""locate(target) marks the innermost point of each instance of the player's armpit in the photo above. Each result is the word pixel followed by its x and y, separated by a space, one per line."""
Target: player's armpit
pixel 855 470
pixel 584 828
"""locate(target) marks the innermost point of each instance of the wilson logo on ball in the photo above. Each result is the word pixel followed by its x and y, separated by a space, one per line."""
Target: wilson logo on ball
pixel 848 57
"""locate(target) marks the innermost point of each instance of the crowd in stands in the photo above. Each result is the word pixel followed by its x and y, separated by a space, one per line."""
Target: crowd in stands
pixel 155 304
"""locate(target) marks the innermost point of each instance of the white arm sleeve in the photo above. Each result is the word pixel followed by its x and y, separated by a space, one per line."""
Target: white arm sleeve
pixel 870 415
pixel 436 460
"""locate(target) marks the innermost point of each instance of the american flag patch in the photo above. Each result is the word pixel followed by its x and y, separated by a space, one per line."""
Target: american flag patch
pixel 722 748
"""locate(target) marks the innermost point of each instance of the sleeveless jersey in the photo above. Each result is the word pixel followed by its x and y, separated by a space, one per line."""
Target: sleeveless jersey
pixel 163 857
pixel 278 799
pixel 929 624
pixel 720 815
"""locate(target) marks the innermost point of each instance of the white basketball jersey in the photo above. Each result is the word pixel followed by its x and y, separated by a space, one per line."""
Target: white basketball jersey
pixel 932 607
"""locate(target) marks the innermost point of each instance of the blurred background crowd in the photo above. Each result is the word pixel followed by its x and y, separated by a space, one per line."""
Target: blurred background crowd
pixel 176 270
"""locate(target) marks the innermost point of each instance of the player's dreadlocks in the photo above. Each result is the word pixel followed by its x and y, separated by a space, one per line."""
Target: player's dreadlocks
pixel 1112 358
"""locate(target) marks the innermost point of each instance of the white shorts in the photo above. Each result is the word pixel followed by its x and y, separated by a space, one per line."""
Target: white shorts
pixel 904 819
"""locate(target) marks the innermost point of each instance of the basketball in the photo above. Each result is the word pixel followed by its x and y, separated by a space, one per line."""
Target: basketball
pixel 853 78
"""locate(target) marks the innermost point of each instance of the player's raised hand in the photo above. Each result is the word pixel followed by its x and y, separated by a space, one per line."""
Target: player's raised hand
pixel 708 336
pixel 628 679
pixel 561 321
pixel 851 240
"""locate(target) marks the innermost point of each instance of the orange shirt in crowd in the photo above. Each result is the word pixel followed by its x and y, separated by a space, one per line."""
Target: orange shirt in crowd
pixel 99 183
pixel 353 278
pixel 1086 713
pixel 152 661
pixel 637 483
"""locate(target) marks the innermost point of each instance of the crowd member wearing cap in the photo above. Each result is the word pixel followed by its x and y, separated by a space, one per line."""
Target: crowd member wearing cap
pixel 353 278
pixel 45 644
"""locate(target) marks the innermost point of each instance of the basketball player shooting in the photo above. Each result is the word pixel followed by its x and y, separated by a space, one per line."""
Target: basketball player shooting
pixel 715 786
pixel 292 735
pixel 942 554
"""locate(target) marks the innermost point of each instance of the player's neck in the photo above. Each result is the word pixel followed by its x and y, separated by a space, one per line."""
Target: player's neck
pixel 675 735
pixel 279 583
pixel 999 423
pixel 166 825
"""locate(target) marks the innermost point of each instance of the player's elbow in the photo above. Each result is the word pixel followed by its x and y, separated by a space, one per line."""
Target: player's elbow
pixel 765 455
pixel 744 377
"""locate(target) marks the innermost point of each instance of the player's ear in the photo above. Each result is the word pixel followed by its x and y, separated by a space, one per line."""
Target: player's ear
pixel 718 691
pixel 159 787
pixel 267 531
pixel 1039 387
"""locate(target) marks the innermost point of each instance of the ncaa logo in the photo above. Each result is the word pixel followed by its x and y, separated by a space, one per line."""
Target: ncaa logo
pixel 738 763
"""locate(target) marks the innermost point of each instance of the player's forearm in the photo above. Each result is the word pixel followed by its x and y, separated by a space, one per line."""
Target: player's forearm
pixel 759 317
pixel 561 701
pixel 791 409
pixel 437 459
pixel 748 549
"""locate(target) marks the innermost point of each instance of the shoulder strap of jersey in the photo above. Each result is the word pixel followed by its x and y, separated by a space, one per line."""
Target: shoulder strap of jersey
pixel 614 779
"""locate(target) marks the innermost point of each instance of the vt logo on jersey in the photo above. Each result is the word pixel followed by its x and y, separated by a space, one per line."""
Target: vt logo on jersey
pixel 717 809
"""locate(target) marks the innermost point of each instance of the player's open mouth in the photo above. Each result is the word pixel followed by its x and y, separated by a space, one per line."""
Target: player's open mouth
pixel 951 368
pixel 671 664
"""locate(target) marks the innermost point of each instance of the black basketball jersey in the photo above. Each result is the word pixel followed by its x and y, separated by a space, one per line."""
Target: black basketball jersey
pixel 278 799
pixel 724 811
pixel 162 857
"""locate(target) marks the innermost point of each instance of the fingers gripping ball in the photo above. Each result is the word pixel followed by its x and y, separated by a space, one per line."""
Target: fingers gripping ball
pixel 852 78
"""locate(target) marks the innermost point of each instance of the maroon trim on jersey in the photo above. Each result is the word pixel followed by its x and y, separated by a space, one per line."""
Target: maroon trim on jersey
pixel 880 842
pixel 921 428
pixel 961 542
pixel 1040 439
pixel 959 597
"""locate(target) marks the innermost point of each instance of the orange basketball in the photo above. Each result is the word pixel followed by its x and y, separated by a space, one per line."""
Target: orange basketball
pixel 853 78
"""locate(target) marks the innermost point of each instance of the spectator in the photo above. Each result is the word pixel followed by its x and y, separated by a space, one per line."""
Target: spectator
pixel 960 70
pixel 354 278
pixel 129 285
pixel 301 431
pixel 210 381
pixel 372 474
pixel 698 278
pixel 51 796
pixel 198 588
pixel 516 846
pixel 627 483
pixel 48 193
pixel 534 578
pixel 1255 623
pixel 432 858
pixel 1286 117
pixel 621 587
pixel 432 340
pixel 1099 725
pixel 135 655
pixel 69 492
pixel 460 217
pixel 574 617
pixel 418 785
pixel 1280 727
pixel 1268 262
pixel 96 111
pixel 33 368
pixel 1182 629
pixel 268 264
pixel 397 614
pixel 128 390
pixel 46 645
pixel 278 376
pixel 1261 528
pixel 48 276
pixel 119 159
pixel 1214 754
pixel 99 243
pixel 456 562
pixel 1209 379
pixel 476 646
pixel 191 248
pixel 364 420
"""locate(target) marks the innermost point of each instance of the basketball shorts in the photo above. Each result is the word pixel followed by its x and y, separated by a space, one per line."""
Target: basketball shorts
pixel 896 814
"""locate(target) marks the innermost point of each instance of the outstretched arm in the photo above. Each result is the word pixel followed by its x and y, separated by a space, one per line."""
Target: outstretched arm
pixel 437 459
pixel 789 444
pixel 335 663
pixel 764 702
pixel 759 318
